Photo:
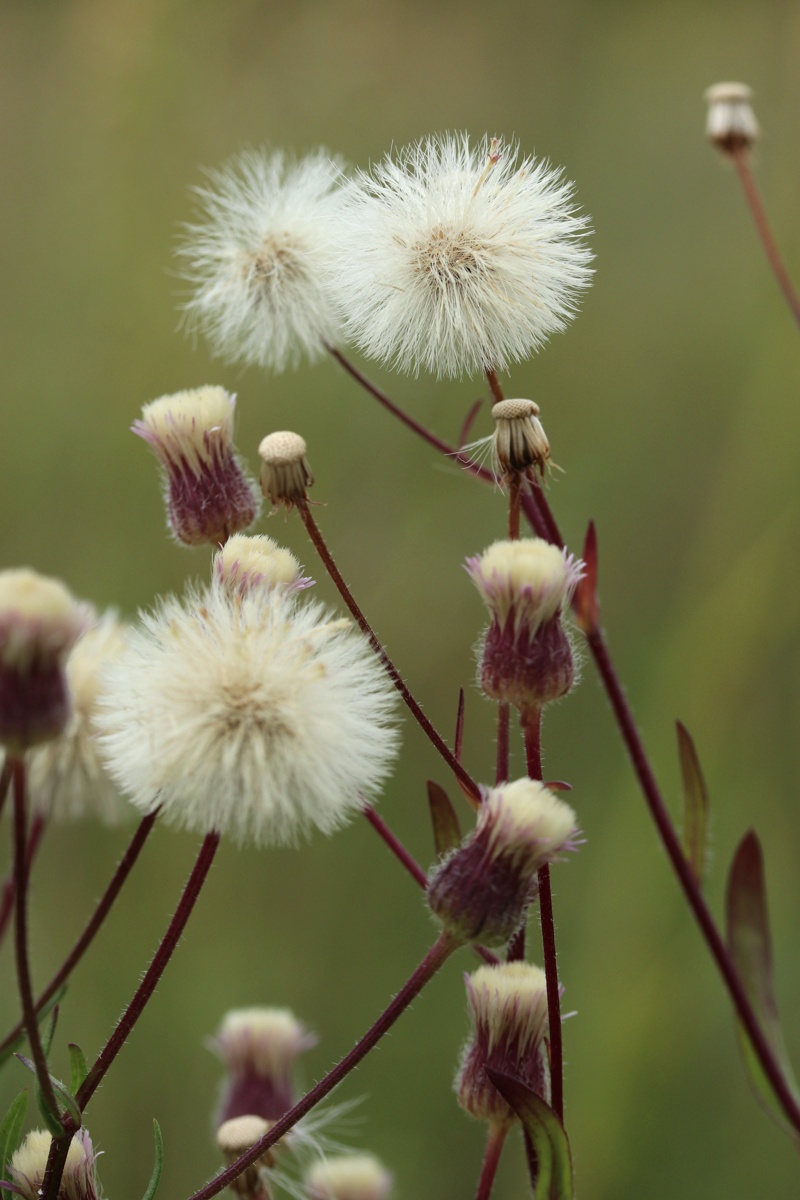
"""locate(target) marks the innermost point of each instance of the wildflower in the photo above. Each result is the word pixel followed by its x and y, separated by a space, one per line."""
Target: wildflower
pixel 39 623
pixel 481 892
pixel 457 258
pixel 258 258
pixel 248 714
pixel 207 493
pixel 526 658
pixel 731 123
pixel 258 1047
pixel 508 1007
pixel 285 473
pixel 234 1138
pixel 257 562
pixel 28 1163
pixel 348 1177
pixel 67 777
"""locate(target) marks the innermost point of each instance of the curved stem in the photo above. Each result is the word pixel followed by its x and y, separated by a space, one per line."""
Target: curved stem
pixel 94 923
pixel 21 938
pixel 38 825
pixel 494 1147
pixel 428 729
pixel 742 160
pixel 396 846
pixel 442 948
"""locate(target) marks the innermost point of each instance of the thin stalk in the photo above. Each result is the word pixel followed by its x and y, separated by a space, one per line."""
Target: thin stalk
pixel 494 384
pixel 396 846
pixel 514 498
pixel 428 729
pixel 503 747
pixel 741 158
pixel 442 948
pixel 38 825
pixel 5 781
pixel 21 938
pixel 494 1147
pixel 94 923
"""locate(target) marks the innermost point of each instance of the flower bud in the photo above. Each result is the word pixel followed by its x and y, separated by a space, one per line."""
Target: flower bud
pixel 731 123
pixel 207 493
pixel 481 892
pixel 348 1177
pixel 247 564
pixel 28 1163
pixel 285 473
pixel 508 1008
pixel 39 623
pixel 519 445
pixel 235 1138
pixel 258 1047
pixel 526 658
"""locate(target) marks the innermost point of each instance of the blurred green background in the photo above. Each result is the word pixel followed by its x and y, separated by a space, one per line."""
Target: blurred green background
pixel 672 406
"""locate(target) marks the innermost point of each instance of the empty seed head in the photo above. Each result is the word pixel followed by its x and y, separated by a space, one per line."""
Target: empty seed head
pixel 731 123
pixel 285 473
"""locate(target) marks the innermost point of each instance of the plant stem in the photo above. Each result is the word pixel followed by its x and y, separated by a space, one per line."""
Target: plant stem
pixel 21 938
pixel 5 781
pixel 494 1147
pixel 396 846
pixel 38 825
pixel 503 748
pixel 741 158
pixel 494 384
pixel 442 948
pixel 94 923
pixel 431 733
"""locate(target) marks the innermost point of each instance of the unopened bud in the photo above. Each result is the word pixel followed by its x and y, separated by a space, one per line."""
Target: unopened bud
pixel 258 1047
pixel 731 123
pixel 29 1161
pixel 208 495
pixel 508 1008
pixel 285 473
pixel 246 564
pixel 481 892
pixel 348 1177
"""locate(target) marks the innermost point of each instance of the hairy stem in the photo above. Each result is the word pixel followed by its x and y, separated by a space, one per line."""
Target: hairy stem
pixel 396 846
pixel 38 825
pixel 495 1141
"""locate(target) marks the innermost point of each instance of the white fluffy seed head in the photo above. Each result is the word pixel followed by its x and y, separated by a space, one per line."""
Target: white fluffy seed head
pixel 258 258
pixel 251 715
pixel 348 1177
pixel 456 258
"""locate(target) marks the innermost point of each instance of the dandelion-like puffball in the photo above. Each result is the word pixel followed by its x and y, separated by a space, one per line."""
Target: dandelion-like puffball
pixel 258 258
pixel 457 258
pixel 67 777
pixel 248 714
pixel 28 1163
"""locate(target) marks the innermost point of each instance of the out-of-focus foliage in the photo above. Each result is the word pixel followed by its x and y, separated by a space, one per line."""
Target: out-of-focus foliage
pixel 671 404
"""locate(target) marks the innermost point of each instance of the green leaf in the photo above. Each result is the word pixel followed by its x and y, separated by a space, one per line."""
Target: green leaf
pixel 10 1136
pixel 695 805
pixel 750 947
pixel 446 829
pixel 554 1179
pixel 157 1165
pixel 78 1067
pixel 49 1033
pixel 46 1009
pixel 63 1094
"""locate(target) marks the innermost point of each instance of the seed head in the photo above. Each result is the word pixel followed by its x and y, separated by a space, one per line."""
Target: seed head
pixel 248 714
pixel 259 1047
pixel 28 1163
pixel 285 473
pixel 508 1009
pixel 731 123
pixel 244 563
pixel 481 892
pixel 348 1177
pixel 456 258
pixel 259 257
pixel 234 1138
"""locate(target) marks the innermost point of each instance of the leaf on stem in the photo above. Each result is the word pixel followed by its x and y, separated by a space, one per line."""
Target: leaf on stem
pixel 446 829
pixel 585 603
pixel 695 805
pixel 10 1136
pixel 78 1067
pixel 554 1178
pixel 53 1120
pixel 157 1165
pixel 750 947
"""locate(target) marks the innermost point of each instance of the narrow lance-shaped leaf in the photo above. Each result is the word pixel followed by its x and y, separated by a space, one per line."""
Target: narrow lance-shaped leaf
pixel 585 604
pixel 695 805
pixel 554 1180
pixel 157 1165
pixel 63 1094
pixel 750 946
pixel 446 830
pixel 10 1135
pixel 78 1067
pixel 42 1014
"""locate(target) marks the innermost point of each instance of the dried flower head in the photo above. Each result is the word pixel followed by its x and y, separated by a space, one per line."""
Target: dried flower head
pixel 259 1047
pixel 234 1138
pixel 246 562
pixel 39 623
pixel 28 1163
pixel 285 473
pixel 248 714
pixel 731 123
pixel 525 658
pixel 348 1177
pixel 518 446
pixel 207 492
pixel 67 777
pixel 258 258
pixel 458 258
pixel 508 1008
pixel 481 892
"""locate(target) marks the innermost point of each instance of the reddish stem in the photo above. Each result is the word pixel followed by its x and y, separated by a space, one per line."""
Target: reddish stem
pixel 494 1147
pixel 503 746
pixel 741 158
pixel 442 948
pixel 94 923
pixel 396 846
pixel 494 384
pixel 38 825
pixel 431 733
pixel 5 781
pixel 514 498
